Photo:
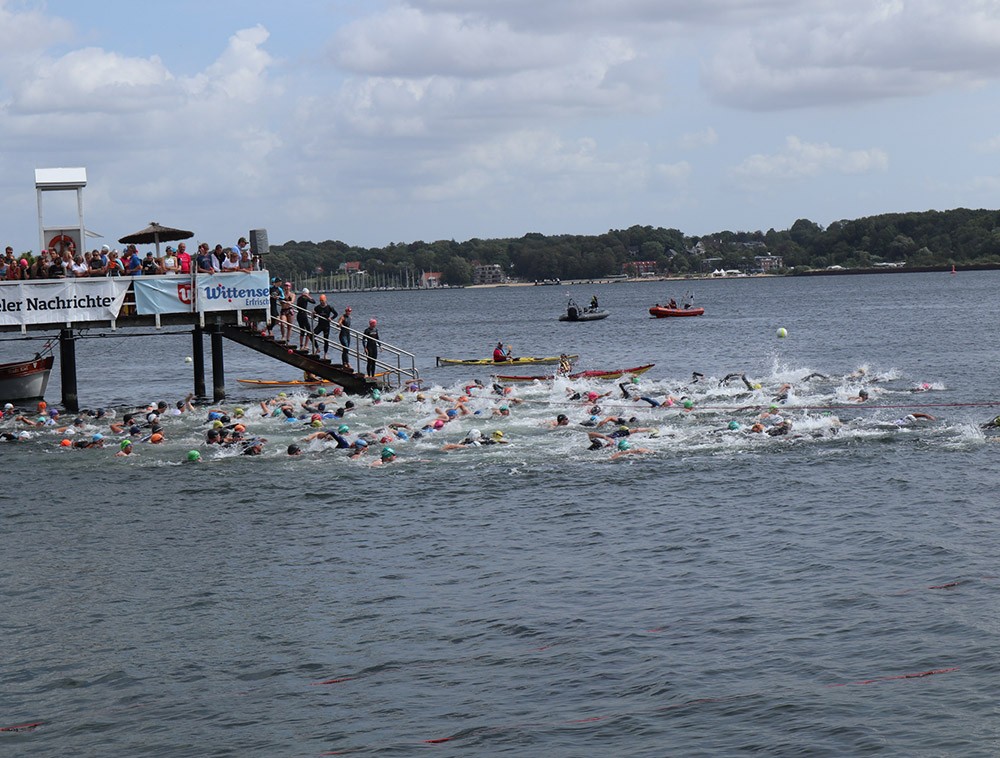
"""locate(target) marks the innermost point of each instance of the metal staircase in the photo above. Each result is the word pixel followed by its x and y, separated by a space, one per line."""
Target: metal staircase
pixel 351 378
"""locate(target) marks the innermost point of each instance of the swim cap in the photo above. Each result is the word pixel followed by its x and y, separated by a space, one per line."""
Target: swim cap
pixel 239 428
pixel 8 406
pixel 343 429
pixel 688 404
pixel 238 412
pixel 438 424
pixel 592 396
pixel 474 434
pixel 294 450
pixel 402 435
pixel 316 424
pixel 316 417
pixel 42 405
pixel 623 445
pixel 66 443
pixel 97 437
pixel 156 438
pixel 125 443
pixel 757 386
pixel 213 415
pixel 193 455
pixel 387 452
pixel 376 394
pixel 321 391
pixel 360 443
pixel 561 417
pixel 734 425
pixel 282 394
pixel 372 322
pixel 305 290
pixel 504 408
pixel 217 424
pixel 24 434
pixel 497 434
pixel 53 412
pixel 451 412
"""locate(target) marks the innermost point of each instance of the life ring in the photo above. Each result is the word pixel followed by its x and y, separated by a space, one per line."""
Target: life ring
pixel 61 239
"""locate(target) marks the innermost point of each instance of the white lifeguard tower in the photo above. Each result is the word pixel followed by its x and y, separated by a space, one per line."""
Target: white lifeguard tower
pixel 61 180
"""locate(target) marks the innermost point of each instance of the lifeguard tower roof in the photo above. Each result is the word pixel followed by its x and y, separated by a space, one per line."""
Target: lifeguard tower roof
pixel 60 178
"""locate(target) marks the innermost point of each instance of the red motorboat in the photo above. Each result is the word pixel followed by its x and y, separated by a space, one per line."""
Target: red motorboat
pixel 662 311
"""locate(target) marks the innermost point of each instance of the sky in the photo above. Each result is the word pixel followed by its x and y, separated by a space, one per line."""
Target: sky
pixel 377 122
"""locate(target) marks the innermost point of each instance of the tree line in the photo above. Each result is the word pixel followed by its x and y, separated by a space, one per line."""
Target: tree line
pixel 920 239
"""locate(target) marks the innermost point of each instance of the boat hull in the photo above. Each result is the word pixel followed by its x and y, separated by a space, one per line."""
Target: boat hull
pixel 591 374
pixel 528 361
pixel 660 312
pixel 588 314
pixel 25 380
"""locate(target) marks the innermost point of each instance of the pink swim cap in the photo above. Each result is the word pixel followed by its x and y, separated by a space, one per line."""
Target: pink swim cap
pixel 373 322
pixel 592 395
pixel 438 424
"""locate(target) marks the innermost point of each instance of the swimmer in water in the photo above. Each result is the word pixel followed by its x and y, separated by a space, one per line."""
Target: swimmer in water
pixel 624 447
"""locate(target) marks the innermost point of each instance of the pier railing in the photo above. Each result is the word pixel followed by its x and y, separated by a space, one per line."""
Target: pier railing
pixel 394 365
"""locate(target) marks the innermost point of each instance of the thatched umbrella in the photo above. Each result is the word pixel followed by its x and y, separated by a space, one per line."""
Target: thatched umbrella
pixel 155 234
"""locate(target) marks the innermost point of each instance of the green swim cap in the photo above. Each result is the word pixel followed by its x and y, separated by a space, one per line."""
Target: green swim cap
pixel 376 394
pixel 688 404
pixel 193 455
pixel 343 429
pixel 734 425
pixel 125 443
pixel 623 445
pixel 387 452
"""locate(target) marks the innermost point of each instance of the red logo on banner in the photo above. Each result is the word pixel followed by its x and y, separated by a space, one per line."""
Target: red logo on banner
pixel 184 292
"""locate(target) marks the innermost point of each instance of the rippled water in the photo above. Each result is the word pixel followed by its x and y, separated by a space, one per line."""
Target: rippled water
pixel 725 594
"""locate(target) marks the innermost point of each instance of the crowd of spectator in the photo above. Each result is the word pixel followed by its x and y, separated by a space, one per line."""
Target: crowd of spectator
pixel 64 261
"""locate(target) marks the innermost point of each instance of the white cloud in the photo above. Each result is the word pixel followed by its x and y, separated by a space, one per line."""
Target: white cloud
pixel 856 51
pixel 693 140
pixel 800 160
pixel 991 145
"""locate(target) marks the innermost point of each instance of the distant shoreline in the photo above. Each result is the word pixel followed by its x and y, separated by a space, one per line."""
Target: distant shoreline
pixel 944 269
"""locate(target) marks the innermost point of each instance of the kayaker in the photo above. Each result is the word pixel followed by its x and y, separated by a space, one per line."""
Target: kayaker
pixel 500 355
pixel 593 302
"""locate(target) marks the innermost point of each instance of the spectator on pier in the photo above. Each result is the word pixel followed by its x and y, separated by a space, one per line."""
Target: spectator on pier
pixel 205 261
pixel 170 262
pixel 183 259
pixel 132 261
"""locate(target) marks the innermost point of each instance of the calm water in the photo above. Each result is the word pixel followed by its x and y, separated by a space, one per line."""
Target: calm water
pixel 537 598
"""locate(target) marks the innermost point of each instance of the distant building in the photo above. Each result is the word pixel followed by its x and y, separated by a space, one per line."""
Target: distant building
pixel 767 263
pixel 430 279
pixel 639 268
pixel 490 273
pixel 351 267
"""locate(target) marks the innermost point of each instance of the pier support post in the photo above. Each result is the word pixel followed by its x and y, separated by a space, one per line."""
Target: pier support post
pixel 198 355
pixel 218 367
pixel 67 370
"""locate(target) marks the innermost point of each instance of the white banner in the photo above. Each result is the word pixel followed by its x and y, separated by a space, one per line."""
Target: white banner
pixel 61 301
pixel 162 294
pixel 233 291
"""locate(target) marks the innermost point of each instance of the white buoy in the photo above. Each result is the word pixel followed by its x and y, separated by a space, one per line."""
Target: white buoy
pixel 782 332
pixel 188 359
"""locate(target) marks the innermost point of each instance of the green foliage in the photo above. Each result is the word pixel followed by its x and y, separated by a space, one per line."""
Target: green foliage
pixel 926 238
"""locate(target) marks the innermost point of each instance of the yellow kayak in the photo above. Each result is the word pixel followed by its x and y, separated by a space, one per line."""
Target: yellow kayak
pixel 279 384
pixel 528 361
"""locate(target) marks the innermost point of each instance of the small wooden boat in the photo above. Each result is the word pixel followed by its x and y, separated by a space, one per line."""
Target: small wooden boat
pixel 25 380
pixel 662 311
pixel 526 361
pixel 285 384
pixel 591 374
pixel 575 313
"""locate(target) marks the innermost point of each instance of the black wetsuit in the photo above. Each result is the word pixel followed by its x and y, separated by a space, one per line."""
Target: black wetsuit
pixel 302 314
pixel 371 348
pixel 324 312
pixel 345 338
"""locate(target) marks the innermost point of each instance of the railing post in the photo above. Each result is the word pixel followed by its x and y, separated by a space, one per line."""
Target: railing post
pixel 218 367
